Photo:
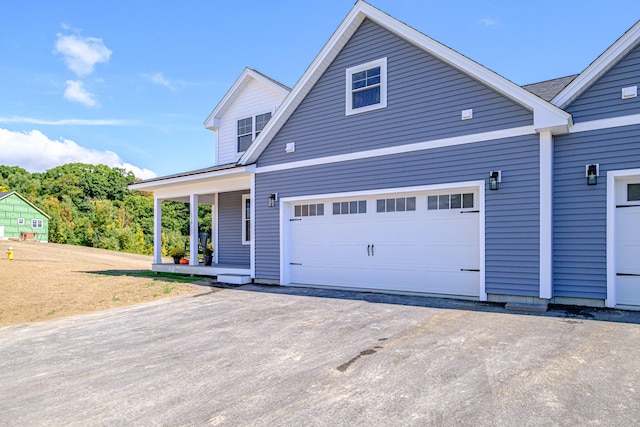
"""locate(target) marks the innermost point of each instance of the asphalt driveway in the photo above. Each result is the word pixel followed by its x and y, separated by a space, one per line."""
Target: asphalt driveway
pixel 270 356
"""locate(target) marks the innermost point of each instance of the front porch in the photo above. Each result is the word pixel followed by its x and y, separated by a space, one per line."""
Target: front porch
pixel 201 269
pixel 227 190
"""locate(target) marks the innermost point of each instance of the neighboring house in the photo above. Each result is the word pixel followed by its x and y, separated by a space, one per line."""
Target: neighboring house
pixel 21 219
pixel 398 164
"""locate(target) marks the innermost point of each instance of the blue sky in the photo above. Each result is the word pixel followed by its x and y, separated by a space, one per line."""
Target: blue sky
pixel 129 83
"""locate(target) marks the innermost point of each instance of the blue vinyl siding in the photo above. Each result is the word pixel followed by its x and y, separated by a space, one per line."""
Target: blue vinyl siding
pixel 230 247
pixel 512 213
pixel 425 98
pixel 580 210
pixel 604 98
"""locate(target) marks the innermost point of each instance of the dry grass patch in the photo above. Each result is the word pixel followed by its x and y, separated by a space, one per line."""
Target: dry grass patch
pixel 49 281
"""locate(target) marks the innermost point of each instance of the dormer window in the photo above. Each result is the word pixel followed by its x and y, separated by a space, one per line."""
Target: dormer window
pixel 249 129
pixel 366 87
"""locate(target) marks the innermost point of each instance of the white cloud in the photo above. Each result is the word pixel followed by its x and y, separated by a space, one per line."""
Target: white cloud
pixel 489 23
pixel 66 122
pixel 77 93
pixel 81 54
pixel 159 79
pixel 35 152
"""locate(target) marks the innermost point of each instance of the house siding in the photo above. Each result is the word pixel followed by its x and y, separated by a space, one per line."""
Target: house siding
pixel 425 97
pixel 604 98
pixel 512 214
pixel 230 248
pixel 579 210
pixel 12 208
pixel 255 98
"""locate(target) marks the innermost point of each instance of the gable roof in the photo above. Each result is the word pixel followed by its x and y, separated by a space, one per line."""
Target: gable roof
pixel 599 67
pixel 546 116
pixel 212 121
pixel 6 194
pixel 548 89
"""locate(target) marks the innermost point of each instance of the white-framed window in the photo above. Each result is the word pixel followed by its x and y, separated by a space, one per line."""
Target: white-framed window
pixel 313 209
pixel 366 87
pixel 450 201
pixel 246 219
pixel 249 128
pixel 633 192
pixel 399 204
pixel 20 221
pixel 350 207
pixel 37 223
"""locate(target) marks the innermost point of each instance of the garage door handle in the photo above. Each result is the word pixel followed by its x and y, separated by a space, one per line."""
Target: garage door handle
pixel 470 269
pixel 368 250
pixel 628 274
pixel 372 254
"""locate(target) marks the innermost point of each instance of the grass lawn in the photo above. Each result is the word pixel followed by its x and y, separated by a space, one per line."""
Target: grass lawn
pixel 49 281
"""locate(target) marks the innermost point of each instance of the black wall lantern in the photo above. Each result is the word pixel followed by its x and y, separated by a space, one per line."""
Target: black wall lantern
pixel 592 174
pixel 494 180
pixel 273 198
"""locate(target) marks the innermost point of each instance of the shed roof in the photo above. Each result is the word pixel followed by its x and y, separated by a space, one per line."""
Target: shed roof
pixel 5 194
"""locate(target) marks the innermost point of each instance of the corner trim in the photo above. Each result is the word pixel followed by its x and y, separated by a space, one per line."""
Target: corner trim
pixel 546 215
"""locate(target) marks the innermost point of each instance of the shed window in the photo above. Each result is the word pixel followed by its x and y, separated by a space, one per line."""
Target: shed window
pixel 37 223
pixel 20 221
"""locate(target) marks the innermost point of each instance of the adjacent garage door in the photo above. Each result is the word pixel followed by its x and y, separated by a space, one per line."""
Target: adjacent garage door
pixel 419 242
pixel 627 225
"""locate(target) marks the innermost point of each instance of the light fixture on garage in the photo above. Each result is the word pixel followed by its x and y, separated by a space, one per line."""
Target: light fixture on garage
pixel 273 198
pixel 592 174
pixel 494 180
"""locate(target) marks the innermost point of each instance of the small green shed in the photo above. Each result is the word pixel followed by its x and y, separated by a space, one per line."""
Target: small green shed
pixel 19 218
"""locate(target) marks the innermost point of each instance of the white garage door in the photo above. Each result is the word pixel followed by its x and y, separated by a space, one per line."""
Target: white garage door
pixel 419 242
pixel 627 224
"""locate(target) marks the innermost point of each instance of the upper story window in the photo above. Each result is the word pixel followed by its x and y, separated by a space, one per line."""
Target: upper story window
pixel 366 87
pixel 249 129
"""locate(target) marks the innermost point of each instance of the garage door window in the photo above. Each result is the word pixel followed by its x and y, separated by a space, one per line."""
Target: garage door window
pixel 351 207
pixel 633 193
pixel 399 204
pixel 450 201
pixel 314 209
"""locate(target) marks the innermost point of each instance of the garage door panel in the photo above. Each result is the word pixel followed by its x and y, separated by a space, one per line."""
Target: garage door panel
pixel 418 251
pixel 627 260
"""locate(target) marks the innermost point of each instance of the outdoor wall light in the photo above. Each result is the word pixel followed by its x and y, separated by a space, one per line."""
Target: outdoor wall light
pixel 494 180
pixel 592 174
pixel 273 198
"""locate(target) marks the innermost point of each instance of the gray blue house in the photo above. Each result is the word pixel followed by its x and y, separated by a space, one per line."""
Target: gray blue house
pixel 21 219
pixel 396 164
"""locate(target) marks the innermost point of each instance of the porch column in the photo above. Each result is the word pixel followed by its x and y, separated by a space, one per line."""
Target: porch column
pixel 193 229
pixel 214 229
pixel 157 230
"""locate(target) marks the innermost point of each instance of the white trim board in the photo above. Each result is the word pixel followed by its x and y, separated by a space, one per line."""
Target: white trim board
pixel 546 215
pixel 285 216
pixel 612 122
pixel 407 148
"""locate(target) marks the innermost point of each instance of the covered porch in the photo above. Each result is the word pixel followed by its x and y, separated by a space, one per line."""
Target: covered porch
pixel 228 191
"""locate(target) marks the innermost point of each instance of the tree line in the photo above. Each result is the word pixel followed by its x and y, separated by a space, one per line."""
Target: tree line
pixel 91 205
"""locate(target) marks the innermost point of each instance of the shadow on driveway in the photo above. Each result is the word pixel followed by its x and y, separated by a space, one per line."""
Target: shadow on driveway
pixel 554 310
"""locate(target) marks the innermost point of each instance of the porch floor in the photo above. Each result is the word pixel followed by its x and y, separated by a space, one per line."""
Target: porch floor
pixel 201 270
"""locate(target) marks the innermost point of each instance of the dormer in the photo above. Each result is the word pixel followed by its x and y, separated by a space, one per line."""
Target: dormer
pixel 243 112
